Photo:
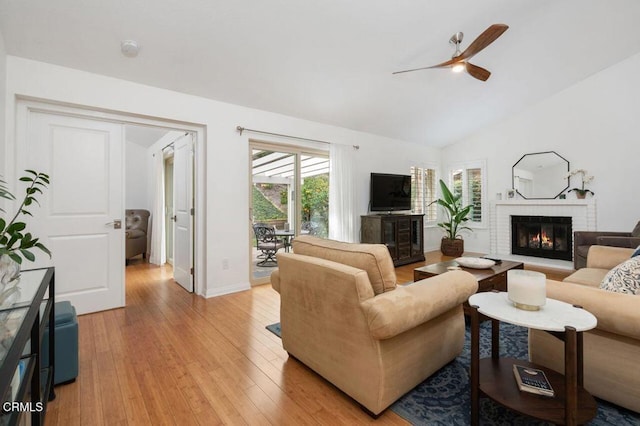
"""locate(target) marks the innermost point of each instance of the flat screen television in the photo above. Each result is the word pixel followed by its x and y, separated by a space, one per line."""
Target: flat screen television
pixel 390 192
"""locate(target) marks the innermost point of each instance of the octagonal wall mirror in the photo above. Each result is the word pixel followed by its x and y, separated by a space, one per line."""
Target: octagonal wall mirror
pixel 540 175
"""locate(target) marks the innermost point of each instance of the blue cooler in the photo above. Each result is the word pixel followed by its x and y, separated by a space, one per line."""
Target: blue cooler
pixel 66 343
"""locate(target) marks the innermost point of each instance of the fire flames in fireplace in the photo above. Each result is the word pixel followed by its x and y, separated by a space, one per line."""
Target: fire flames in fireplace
pixel 545 242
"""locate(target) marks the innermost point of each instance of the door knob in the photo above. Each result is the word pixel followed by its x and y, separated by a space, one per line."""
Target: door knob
pixel 174 218
pixel 117 224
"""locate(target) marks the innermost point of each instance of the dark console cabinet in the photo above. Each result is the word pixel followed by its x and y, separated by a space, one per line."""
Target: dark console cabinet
pixel 402 234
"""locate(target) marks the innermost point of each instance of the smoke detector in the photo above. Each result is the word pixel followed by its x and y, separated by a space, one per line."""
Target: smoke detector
pixel 129 48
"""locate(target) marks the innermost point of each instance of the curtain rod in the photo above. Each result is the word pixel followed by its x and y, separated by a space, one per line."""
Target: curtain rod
pixel 171 143
pixel 241 129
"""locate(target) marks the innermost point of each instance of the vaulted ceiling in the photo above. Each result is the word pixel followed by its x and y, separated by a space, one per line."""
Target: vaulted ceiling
pixel 331 61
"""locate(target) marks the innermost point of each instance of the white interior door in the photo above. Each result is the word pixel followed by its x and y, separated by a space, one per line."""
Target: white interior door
pixel 84 159
pixel 182 210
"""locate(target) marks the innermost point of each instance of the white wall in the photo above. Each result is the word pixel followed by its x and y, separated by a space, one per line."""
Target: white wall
pixel 136 177
pixel 227 153
pixel 593 124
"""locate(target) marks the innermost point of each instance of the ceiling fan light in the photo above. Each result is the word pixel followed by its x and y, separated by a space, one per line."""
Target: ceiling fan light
pixel 459 67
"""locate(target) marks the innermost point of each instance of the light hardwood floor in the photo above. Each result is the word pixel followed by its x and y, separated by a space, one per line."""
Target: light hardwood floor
pixel 171 357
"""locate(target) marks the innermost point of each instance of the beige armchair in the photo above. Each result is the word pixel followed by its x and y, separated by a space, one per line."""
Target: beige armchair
pixel 137 224
pixel 612 349
pixel 344 317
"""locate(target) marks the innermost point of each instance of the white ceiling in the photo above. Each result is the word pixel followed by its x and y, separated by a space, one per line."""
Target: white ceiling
pixel 331 61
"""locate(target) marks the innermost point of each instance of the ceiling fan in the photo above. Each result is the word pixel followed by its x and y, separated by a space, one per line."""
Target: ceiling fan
pixel 460 61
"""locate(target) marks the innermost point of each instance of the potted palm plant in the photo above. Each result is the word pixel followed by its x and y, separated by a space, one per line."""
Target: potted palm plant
pixel 456 216
pixel 16 244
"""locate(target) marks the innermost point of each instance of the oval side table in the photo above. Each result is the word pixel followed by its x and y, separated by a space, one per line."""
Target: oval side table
pixel 493 377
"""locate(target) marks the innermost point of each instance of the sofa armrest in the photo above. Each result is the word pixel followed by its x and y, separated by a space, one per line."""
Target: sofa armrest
pixel 617 313
pixel 591 237
pixel 605 257
pixel 629 242
pixel 406 307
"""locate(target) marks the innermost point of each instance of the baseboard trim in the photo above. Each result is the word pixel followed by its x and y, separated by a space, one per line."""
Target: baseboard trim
pixel 228 289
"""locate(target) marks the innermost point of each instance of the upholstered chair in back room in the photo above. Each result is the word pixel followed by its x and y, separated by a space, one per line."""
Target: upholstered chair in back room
pixel 137 224
pixel 582 240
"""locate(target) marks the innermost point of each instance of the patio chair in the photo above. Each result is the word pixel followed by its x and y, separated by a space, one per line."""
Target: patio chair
pixel 267 243
pixel 261 255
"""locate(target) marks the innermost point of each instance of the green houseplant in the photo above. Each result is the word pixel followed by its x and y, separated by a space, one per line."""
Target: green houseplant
pixel 456 216
pixel 16 244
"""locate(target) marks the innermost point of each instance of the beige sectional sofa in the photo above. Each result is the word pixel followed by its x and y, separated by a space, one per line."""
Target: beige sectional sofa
pixel 343 315
pixel 612 349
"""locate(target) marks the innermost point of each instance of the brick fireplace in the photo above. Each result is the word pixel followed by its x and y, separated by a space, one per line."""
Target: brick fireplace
pixel 581 212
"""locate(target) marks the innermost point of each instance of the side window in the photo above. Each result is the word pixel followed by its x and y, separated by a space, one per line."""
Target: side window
pixel 424 193
pixel 474 191
pixel 468 179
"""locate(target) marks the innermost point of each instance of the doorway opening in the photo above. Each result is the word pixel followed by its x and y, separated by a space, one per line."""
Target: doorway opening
pixel 165 189
pixel 89 159
pixel 289 196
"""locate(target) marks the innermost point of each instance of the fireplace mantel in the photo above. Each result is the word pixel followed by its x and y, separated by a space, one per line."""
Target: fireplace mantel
pixel 568 202
pixel 582 213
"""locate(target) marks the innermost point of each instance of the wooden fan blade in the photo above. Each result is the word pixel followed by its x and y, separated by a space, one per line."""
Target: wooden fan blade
pixel 446 64
pixel 483 40
pixel 477 72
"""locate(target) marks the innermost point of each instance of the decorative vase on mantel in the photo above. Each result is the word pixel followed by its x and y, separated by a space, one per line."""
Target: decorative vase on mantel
pixel 581 194
pixel 9 279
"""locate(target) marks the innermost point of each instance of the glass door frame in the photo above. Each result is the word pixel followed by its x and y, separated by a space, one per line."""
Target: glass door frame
pixel 298 151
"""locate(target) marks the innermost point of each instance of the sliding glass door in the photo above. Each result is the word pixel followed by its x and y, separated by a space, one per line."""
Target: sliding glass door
pixel 314 195
pixel 289 194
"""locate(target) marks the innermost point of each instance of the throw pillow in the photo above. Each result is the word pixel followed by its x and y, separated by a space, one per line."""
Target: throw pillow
pixel 636 252
pixel 624 278
pixel 636 231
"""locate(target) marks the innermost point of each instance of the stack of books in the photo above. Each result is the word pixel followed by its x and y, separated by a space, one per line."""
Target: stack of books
pixel 532 380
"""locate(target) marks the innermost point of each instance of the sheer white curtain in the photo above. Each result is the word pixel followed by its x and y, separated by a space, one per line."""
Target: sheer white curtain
pixel 342 197
pixel 158 246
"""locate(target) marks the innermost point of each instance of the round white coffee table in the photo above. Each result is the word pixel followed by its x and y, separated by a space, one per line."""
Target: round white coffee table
pixel 493 377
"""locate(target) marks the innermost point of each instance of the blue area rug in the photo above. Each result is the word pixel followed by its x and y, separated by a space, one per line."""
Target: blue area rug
pixel 444 398
pixel 275 329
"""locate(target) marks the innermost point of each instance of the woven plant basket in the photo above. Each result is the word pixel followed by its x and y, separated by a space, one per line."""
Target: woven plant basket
pixel 452 247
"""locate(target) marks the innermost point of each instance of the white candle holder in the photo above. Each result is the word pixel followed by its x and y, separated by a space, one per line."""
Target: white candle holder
pixel 527 289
